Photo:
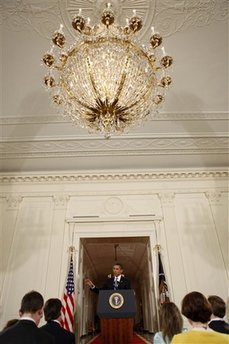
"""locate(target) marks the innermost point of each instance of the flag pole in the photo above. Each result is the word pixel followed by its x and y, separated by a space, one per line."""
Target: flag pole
pixel 157 247
pixel 72 251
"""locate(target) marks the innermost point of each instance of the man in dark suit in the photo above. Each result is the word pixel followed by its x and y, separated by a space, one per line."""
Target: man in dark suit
pixel 217 322
pixel 25 331
pixel 116 282
pixel 52 311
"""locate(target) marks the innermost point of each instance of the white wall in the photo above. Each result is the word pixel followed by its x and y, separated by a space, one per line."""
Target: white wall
pixel 35 235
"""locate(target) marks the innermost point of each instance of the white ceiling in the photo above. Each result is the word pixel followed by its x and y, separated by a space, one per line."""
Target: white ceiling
pixel 191 131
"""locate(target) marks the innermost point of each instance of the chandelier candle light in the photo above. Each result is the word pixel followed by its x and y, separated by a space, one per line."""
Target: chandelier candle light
pixel 107 82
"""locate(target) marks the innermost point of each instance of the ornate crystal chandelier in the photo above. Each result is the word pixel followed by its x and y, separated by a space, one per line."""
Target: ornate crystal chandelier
pixel 106 81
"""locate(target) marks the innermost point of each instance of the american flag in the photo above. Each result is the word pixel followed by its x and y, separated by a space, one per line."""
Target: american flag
pixel 68 303
pixel 163 287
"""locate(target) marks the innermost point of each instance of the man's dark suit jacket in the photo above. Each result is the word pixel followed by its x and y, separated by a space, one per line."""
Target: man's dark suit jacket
pixel 109 284
pixel 61 335
pixel 219 326
pixel 25 332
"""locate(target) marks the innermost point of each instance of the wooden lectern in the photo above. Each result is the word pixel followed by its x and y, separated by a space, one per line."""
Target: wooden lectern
pixel 116 310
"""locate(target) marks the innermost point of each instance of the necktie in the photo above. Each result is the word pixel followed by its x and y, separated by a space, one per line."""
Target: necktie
pixel 115 283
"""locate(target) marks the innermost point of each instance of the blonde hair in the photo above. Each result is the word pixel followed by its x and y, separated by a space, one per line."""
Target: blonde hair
pixel 171 321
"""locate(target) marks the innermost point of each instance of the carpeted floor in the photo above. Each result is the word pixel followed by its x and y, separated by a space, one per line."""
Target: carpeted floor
pixel 137 339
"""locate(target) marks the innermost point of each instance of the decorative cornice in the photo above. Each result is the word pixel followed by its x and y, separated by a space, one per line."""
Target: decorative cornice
pixel 110 177
pixel 161 116
pixel 191 116
pixel 130 146
pixel 35 119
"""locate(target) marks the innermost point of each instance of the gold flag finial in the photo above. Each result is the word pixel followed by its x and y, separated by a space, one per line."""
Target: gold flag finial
pixel 72 250
pixel 157 247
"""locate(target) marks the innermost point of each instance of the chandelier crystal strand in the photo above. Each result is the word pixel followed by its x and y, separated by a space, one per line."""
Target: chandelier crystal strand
pixel 106 82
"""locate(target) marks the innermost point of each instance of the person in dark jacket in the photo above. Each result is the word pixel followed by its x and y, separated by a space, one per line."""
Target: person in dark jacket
pixel 52 312
pixel 26 330
pixel 10 323
pixel 116 282
pixel 217 323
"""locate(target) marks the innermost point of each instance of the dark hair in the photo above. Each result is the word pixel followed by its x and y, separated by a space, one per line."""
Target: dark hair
pixel 10 323
pixel 31 302
pixel 218 305
pixel 171 321
pixel 52 309
pixel 196 307
pixel 119 264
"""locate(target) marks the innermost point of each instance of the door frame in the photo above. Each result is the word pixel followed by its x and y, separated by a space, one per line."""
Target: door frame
pixel 82 227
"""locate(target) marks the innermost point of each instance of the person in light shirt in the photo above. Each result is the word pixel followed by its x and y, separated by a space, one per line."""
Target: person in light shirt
pixel 196 308
pixel 116 282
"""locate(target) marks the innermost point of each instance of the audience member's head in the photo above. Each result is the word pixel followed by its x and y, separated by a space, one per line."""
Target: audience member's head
pixel 171 321
pixel 196 307
pixel 227 310
pixel 10 323
pixel 52 309
pixel 218 306
pixel 32 305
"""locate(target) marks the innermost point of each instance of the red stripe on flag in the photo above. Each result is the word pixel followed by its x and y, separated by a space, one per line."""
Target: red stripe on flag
pixel 67 311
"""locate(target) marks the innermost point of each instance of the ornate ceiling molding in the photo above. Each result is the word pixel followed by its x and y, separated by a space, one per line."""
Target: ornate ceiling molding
pixel 130 146
pixel 167 16
pixel 53 137
pixel 109 177
pixel 172 17
pixel 162 116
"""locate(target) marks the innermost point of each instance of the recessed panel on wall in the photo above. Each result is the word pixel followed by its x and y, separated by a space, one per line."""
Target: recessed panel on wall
pixel 28 256
pixel 203 261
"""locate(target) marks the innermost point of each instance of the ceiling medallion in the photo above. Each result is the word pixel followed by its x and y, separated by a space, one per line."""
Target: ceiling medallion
pixel 106 81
